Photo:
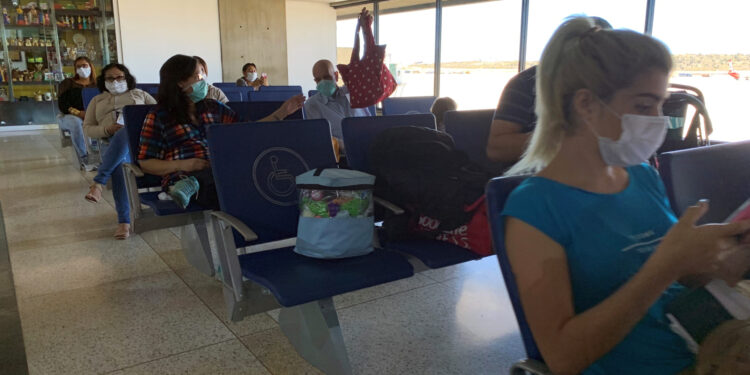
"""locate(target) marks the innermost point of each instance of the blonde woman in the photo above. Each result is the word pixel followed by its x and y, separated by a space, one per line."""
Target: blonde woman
pixel 595 248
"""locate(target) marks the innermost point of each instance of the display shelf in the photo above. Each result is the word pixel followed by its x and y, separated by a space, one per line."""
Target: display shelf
pixel 82 12
pixel 24 48
pixel 28 83
pixel 12 26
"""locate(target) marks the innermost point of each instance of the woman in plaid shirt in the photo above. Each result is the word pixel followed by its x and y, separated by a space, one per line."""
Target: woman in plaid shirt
pixel 173 139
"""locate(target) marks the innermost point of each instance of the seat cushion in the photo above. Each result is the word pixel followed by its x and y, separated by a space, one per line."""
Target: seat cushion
pixel 162 208
pixel 296 279
pixel 433 253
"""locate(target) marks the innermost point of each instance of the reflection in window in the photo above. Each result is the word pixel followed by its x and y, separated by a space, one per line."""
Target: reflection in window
pixel 705 42
pixel 479 51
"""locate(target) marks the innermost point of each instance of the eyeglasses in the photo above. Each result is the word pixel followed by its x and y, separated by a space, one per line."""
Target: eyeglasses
pixel 112 79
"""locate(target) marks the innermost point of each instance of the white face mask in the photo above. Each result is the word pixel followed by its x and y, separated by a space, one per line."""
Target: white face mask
pixel 84 72
pixel 640 138
pixel 116 87
pixel 252 76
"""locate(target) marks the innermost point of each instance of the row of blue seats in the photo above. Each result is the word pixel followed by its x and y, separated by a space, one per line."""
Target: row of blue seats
pixel 255 211
pixel 233 93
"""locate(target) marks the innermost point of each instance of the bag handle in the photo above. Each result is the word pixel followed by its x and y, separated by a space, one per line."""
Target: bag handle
pixel 355 50
pixel 318 171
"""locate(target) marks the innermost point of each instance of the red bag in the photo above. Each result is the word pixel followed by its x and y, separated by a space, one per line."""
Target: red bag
pixel 473 236
pixel 369 81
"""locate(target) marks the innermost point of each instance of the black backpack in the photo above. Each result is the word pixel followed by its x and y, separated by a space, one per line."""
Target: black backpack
pixel 419 170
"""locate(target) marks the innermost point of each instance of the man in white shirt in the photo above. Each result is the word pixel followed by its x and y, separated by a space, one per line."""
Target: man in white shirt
pixel 331 102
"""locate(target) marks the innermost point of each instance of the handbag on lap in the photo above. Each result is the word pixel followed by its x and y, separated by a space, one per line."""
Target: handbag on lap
pixel 369 81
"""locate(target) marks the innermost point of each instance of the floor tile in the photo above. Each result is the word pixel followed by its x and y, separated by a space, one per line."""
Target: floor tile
pixel 226 358
pixel 116 325
pixel 52 226
pixel 209 290
pixel 82 264
pixel 273 349
pixel 461 328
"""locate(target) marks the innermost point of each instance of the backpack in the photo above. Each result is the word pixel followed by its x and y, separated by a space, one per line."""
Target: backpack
pixel 420 170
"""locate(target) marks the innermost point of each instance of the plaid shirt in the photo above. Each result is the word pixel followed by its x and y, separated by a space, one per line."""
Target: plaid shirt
pixel 181 141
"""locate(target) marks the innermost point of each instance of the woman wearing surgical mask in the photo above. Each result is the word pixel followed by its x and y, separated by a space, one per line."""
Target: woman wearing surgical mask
pixel 213 92
pixel 595 248
pixel 173 139
pixel 104 120
pixel 71 105
pixel 251 77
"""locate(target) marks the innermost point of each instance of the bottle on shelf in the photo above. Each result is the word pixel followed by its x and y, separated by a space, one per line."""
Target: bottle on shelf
pixel 85 23
pixel 6 18
pixel 80 23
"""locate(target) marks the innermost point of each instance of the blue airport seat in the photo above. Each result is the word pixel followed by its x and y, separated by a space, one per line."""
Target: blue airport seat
pixel 161 213
pixel 371 108
pixel 498 191
pixel 87 94
pixel 151 88
pixel 271 96
pixel 223 85
pixel 359 132
pixel 407 105
pixel 297 89
pixel 715 173
pixel 234 95
pixel 254 111
pixel 470 131
pixel 254 165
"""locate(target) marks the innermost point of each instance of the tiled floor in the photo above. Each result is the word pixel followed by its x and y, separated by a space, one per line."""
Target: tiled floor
pixel 91 304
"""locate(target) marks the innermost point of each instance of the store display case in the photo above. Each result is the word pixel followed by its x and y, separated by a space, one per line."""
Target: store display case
pixel 40 40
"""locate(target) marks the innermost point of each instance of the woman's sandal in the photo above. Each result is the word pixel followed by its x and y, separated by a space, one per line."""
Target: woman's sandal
pixel 123 231
pixel 95 193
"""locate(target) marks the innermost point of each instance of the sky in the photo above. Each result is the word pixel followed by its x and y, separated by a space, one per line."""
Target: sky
pixel 490 31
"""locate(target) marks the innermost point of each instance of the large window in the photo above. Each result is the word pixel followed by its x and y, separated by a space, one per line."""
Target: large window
pixel 479 51
pixel 410 47
pixel 704 39
pixel 546 15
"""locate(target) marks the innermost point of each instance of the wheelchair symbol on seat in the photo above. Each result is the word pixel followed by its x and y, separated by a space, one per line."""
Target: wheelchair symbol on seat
pixel 273 175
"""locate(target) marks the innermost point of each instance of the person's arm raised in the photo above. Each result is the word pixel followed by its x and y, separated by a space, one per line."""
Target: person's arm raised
pixel 570 343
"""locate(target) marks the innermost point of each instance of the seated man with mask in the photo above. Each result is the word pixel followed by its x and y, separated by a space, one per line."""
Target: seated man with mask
pixel 331 102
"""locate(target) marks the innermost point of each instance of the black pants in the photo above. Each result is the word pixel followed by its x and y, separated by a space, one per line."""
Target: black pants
pixel 207 196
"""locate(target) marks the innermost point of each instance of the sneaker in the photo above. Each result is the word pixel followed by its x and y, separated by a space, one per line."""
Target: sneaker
pixel 183 190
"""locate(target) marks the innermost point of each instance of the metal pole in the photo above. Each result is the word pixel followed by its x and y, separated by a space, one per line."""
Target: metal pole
pixel 649 28
pixel 9 64
pixel 524 35
pixel 438 39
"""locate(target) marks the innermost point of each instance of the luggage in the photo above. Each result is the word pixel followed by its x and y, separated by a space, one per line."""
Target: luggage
pixel 369 81
pixel 441 190
pixel 336 213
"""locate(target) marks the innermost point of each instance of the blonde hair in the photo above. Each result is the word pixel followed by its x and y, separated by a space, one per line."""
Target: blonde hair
pixel 583 55
pixel 725 349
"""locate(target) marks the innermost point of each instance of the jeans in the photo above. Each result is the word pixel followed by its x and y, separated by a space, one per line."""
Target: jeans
pixel 74 125
pixel 112 159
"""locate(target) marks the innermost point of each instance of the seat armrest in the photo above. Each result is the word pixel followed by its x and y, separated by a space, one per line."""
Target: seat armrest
pixel 530 366
pixel 389 206
pixel 236 224
pixel 137 172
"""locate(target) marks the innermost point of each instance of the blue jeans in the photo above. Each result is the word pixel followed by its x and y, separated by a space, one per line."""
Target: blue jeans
pixel 112 159
pixel 74 125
